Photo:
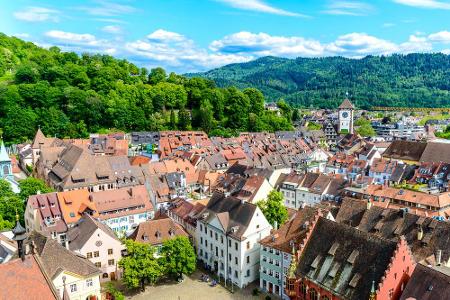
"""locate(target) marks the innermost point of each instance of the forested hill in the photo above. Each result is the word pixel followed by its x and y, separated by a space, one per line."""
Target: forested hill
pixel 419 80
pixel 69 95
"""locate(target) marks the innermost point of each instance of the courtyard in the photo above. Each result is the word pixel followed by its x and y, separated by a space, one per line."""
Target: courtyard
pixel 192 288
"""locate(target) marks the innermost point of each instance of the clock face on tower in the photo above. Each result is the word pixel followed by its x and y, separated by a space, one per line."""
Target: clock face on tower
pixel 345 114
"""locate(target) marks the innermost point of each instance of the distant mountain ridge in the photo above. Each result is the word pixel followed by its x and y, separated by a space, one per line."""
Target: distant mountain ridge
pixel 416 80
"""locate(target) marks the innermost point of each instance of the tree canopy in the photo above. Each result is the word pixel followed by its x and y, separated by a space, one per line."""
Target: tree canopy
pixel 273 208
pixel 140 265
pixel 178 256
pixel 70 95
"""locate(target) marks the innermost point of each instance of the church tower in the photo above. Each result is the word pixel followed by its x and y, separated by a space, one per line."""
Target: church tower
pixel 345 124
pixel 5 163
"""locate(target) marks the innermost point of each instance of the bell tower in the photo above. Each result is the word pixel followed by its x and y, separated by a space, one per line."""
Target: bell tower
pixel 345 110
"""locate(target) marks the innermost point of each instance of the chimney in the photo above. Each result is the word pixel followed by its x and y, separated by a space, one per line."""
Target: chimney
pixel 438 257
pixel 420 234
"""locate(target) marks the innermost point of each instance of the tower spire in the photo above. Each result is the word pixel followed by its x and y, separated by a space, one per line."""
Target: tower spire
pixel 19 236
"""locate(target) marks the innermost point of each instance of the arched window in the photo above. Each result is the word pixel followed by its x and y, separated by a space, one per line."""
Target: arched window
pixel 313 295
pixel 105 275
pixel 325 298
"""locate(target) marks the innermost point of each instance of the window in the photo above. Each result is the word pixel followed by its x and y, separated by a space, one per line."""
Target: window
pixel 98 264
pixel 216 236
pixel 96 254
pixel 248 245
pixel 217 251
pixel 236 260
pixel 221 239
pixel 235 245
pixel 236 274
pixel 391 293
pixel 206 243
pixel 110 251
pixel 89 255
pixel 229 243
pixel 248 273
pixel 229 256
pixel 201 227
pixel 210 233
pixel 201 241
pixel 277 275
pixel 73 288
pixel 248 259
pixel 206 230
pixel 221 252
pixel 303 290
pixel 110 262
pixel 201 252
pixel 89 283
pixel 313 295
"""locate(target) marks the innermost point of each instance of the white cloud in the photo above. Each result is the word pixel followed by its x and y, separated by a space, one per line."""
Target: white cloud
pixel 37 14
pixel 161 35
pixel 22 35
pixel 114 29
pixel 440 37
pixel 176 52
pixel 430 4
pixel 446 51
pixel 69 36
pixel 349 8
pixel 79 42
pixel 107 9
pixel 260 6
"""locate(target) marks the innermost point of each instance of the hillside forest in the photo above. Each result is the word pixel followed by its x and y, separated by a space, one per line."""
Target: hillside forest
pixel 70 95
pixel 413 80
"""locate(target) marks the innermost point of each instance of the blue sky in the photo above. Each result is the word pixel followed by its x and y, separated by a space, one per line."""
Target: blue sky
pixel 197 35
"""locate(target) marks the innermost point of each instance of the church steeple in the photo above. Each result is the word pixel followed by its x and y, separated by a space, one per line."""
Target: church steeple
pixel 3 153
pixel 373 293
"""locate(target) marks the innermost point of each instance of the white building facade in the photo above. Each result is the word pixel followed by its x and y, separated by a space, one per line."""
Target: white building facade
pixel 228 236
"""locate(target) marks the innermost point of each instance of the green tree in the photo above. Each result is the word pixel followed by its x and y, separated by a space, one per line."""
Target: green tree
pixel 140 265
pixel 10 205
pixel 206 116
pixel 365 130
pixel 157 75
pixel 173 120
pixel 295 115
pixel 178 256
pixel 31 186
pixel 26 74
pixel 256 100
pixel 184 119
pixel 273 208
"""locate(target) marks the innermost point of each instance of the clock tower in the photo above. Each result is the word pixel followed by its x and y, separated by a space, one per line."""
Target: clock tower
pixel 345 117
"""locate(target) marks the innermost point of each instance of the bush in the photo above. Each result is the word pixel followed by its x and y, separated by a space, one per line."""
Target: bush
pixel 255 292
pixel 268 297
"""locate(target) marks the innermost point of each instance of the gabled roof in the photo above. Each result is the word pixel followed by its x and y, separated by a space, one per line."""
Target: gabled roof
pixel 293 232
pixel 344 259
pixel 55 258
pixel 82 231
pixel 346 104
pixel 391 223
pixel 155 232
pixel 428 284
pixel 240 213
